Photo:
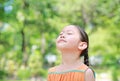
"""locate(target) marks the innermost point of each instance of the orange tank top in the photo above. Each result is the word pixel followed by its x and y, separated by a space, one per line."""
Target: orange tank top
pixel 71 75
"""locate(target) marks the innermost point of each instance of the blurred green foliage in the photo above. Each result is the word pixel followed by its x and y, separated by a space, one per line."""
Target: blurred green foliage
pixel 28 30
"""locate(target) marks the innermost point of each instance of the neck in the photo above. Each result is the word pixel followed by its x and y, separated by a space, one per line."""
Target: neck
pixel 70 58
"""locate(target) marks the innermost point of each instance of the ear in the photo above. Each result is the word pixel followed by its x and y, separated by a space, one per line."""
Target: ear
pixel 82 45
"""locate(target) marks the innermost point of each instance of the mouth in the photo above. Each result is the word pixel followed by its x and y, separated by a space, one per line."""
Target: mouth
pixel 61 40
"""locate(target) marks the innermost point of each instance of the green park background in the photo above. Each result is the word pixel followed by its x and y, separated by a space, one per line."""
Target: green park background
pixel 29 28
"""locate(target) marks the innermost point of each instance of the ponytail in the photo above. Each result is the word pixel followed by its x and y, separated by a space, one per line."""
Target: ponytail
pixel 86 57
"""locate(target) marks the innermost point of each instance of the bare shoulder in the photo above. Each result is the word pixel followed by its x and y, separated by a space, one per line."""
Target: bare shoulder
pixel 89 71
pixel 89 75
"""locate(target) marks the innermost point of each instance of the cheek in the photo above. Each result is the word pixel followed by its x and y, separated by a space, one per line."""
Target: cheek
pixel 74 42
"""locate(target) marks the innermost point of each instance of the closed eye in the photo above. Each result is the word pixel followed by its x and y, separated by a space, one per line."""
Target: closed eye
pixel 61 33
pixel 69 33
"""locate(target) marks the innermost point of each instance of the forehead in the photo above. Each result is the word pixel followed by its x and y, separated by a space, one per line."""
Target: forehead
pixel 70 28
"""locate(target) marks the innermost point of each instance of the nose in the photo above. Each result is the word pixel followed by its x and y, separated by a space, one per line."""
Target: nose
pixel 62 36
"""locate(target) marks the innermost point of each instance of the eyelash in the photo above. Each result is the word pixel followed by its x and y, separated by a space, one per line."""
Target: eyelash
pixel 60 33
pixel 67 33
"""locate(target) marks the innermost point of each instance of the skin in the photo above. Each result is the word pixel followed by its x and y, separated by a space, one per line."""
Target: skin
pixel 70 45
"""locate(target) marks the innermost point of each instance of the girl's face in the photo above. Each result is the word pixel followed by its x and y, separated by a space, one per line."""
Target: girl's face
pixel 68 39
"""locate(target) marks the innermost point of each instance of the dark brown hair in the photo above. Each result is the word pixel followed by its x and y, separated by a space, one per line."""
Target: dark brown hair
pixel 84 38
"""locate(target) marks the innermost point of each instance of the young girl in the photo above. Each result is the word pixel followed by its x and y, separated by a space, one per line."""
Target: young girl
pixel 73 43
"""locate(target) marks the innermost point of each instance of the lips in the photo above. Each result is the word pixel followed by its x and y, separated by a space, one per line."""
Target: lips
pixel 61 40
